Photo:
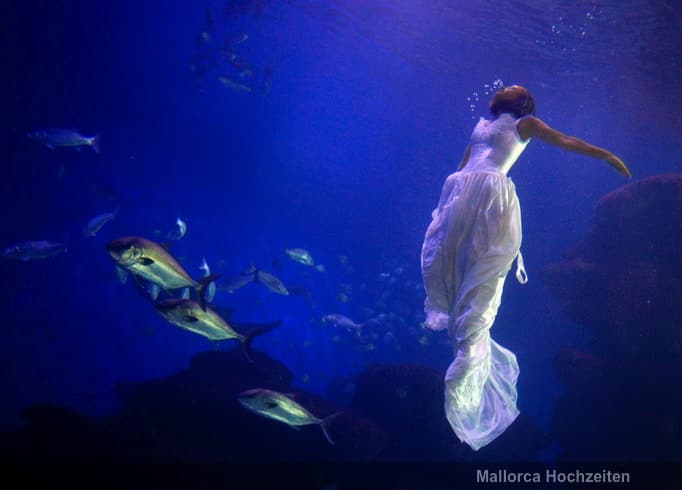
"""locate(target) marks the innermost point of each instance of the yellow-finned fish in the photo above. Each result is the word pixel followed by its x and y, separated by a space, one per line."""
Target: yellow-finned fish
pixel 188 314
pixel 152 262
pixel 283 408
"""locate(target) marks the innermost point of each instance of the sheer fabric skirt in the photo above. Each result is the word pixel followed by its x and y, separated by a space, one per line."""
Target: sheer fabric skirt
pixel 469 247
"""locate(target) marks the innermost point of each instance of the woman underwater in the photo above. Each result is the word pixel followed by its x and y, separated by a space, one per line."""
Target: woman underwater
pixel 469 247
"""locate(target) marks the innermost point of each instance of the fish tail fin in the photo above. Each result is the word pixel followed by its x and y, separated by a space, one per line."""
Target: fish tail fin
pixel 324 423
pixel 94 142
pixel 248 337
pixel 201 289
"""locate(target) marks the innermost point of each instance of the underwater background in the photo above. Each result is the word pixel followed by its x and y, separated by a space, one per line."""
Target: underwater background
pixel 267 126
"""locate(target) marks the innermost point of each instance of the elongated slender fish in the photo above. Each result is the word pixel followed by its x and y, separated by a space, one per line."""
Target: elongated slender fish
pixel 97 222
pixel 150 261
pixel 33 250
pixel 281 407
pixel 188 314
pixel 59 137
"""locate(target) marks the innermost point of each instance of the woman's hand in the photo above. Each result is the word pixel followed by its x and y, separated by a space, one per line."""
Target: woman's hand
pixel 618 164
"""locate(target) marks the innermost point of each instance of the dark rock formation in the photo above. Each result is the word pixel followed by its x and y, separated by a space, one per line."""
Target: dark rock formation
pixel 193 416
pixel 625 280
pixel 624 283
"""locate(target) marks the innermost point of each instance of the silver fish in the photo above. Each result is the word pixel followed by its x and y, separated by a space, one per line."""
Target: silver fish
pixel 189 315
pixel 281 407
pixel 97 222
pixel 59 137
pixel 39 249
pixel 300 255
pixel 210 290
pixel 237 282
pixel 179 232
pixel 236 86
pixel 342 321
pixel 269 281
pixel 153 263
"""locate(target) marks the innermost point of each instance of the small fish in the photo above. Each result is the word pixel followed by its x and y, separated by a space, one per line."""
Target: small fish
pixel 58 137
pixel 269 281
pixel 342 297
pixel 179 232
pixel 97 222
pixel 39 249
pixel 300 255
pixel 368 347
pixel 282 407
pixel 237 282
pixel 188 314
pixel 210 290
pixel 236 86
pixel 338 320
pixel 150 261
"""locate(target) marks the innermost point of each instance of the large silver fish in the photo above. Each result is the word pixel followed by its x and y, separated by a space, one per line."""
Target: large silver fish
pixel 150 261
pixel 188 314
pixel 59 137
pixel 281 407
pixel 38 249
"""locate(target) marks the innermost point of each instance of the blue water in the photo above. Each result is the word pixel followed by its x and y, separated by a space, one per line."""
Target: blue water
pixel 368 110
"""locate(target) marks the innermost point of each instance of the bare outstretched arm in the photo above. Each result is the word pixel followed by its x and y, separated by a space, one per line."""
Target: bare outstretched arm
pixel 532 127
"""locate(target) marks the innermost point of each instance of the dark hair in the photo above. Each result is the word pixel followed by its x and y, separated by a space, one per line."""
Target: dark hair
pixel 515 100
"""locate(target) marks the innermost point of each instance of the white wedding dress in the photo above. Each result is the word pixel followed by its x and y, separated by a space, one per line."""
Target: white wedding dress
pixel 469 248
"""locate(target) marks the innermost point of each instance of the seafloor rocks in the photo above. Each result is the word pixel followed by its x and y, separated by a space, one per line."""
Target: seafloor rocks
pixel 616 410
pixel 194 416
pixel 624 283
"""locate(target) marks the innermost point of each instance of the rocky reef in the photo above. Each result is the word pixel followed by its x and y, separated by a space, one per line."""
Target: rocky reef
pixel 193 416
pixel 624 284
